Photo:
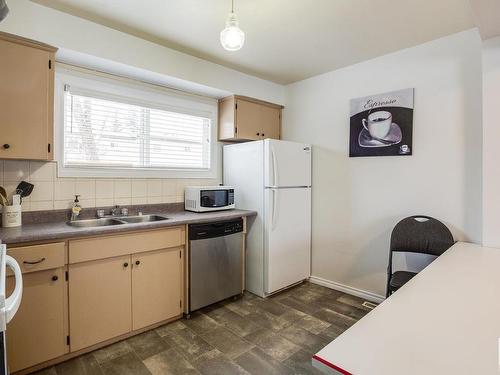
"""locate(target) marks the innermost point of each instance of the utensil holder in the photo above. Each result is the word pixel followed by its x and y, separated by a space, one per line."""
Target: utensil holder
pixel 11 216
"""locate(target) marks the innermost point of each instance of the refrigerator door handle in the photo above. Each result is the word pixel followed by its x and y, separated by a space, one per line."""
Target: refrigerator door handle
pixel 274 216
pixel 275 167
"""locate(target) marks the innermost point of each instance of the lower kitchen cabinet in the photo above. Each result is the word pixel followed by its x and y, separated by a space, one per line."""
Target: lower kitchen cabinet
pixel 39 329
pixel 87 291
pixel 156 286
pixel 100 302
pixel 135 280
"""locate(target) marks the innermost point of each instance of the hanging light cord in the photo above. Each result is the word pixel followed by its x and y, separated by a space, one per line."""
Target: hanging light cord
pixel 232 6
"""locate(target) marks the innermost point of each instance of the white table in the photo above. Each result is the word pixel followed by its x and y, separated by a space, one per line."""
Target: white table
pixel 446 320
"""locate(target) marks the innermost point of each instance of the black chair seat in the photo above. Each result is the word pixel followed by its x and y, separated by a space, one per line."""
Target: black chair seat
pixel 400 278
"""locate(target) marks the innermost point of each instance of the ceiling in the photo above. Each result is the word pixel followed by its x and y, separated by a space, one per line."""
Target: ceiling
pixel 487 17
pixel 286 41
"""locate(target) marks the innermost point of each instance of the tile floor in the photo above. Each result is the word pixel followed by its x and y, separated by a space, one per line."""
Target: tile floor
pixel 250 335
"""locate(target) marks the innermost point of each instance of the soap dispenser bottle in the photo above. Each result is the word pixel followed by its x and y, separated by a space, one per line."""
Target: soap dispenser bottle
pixel 75 210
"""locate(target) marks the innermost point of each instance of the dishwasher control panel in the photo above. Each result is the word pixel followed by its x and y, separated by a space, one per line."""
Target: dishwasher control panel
pixel 216 229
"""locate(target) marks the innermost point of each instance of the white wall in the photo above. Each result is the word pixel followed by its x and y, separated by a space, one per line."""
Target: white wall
pixel 80 39
pixel 491 148
pixel 357 201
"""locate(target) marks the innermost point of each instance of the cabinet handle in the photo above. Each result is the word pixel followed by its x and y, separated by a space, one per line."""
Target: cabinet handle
pixel 258 133
pixel 55 278
pixel 125 264
pixel 263 134
pixel 6 146
pixel 34 262
pixel 137 262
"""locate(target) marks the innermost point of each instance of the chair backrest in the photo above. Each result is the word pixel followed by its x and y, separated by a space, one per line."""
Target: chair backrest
pixel 421 234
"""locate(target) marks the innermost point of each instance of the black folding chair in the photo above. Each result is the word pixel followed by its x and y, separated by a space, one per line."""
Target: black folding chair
pixel 416 234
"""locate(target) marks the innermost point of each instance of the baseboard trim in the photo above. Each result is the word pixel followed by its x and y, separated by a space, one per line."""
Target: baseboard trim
pixel 369 296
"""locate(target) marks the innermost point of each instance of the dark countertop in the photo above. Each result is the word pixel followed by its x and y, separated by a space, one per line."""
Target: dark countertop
pixel 59 230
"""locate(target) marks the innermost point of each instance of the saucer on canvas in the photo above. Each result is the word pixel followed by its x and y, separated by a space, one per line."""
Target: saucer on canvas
pixel 392 138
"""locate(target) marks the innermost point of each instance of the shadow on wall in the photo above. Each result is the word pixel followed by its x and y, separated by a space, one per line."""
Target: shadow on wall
pixel 369 263
pixel 473 152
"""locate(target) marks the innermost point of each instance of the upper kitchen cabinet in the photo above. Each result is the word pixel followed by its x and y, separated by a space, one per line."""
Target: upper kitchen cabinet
pixel 247 119
pixel 27 98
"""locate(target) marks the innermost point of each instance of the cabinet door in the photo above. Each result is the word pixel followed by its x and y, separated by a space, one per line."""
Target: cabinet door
pixel 270 120
pixel 227 125
pixel 156 286
pixel 38 331
pixel 248 120
pixel 26 94
pixel 99 301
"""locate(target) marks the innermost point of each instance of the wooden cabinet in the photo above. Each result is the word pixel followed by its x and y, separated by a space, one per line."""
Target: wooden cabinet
pixel 38 331
pixel 27 97
pixel 247 119
pixel 270 120
pixel 137 283
pixel 156 286
pixel 91 291
pixel 99 301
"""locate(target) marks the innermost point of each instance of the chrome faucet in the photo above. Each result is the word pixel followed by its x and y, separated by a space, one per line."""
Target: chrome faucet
pixel 115 211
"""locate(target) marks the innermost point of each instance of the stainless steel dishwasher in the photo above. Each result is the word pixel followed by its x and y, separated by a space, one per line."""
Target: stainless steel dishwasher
pixel 215 262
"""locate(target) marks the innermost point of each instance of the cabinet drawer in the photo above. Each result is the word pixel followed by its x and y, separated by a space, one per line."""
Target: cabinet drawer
pixel 124 244
pixel 38 257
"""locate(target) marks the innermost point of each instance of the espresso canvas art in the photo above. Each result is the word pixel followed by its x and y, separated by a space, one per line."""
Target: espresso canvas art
pixel 382 125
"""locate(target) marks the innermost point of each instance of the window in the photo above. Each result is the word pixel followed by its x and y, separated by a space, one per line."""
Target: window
pixel 136 133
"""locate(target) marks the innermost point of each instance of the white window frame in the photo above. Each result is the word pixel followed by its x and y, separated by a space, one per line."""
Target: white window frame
pixel 138 93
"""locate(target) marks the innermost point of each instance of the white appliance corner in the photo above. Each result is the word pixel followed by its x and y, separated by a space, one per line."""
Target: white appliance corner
pixel 369 296
pixel 243 169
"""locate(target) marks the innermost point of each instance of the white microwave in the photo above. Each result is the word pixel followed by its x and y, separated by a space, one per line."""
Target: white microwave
pixel 208 198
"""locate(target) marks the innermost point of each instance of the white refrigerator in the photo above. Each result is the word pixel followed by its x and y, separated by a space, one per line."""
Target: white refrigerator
pixel 273 178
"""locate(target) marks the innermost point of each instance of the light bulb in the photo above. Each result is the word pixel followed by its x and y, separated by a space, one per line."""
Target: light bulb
pixel 232 37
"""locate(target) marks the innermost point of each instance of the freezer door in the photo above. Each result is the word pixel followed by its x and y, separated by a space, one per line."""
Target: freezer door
pixel 286 164
pixel 287 237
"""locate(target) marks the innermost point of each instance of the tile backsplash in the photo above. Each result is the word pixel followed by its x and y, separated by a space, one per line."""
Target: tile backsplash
pixel 52 192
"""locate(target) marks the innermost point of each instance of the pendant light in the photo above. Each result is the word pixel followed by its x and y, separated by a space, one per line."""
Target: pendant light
pixel 232 37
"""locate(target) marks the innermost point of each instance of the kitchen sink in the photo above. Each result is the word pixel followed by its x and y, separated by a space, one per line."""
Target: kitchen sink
pixel 142 218
pixel 89 223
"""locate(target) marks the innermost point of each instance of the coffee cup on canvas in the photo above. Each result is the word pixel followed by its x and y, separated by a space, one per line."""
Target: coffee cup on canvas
pixel 378 124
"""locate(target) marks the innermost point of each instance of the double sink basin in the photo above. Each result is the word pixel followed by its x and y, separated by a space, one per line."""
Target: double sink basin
pixel 121 220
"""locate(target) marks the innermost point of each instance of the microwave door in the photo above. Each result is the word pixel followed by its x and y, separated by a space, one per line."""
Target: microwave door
pixel 216 198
